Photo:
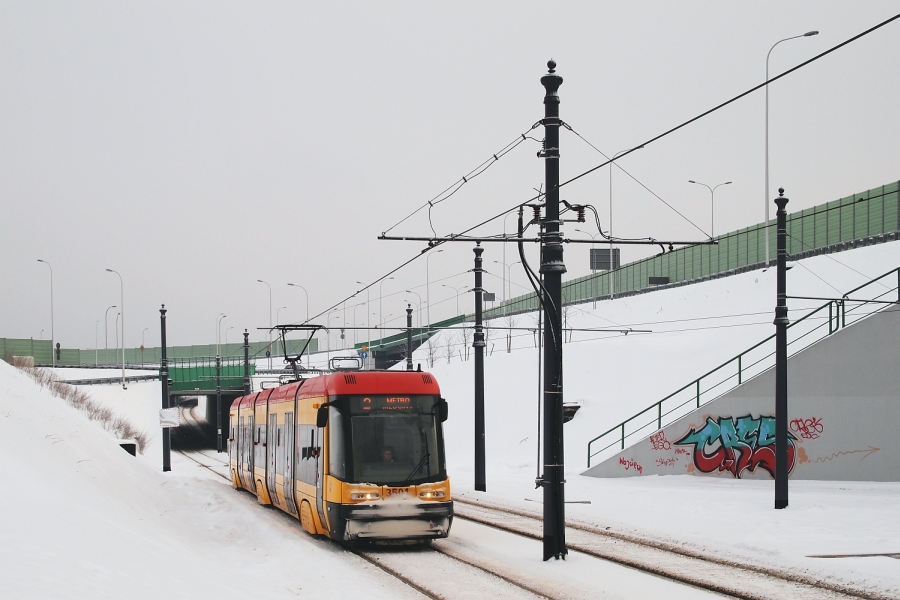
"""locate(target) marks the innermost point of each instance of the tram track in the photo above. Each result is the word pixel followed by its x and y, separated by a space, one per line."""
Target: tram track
pixel 728 577
pixel 653 557
pixel 386 559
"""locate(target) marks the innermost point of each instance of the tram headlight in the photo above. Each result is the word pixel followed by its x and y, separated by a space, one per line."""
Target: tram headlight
pixel 365 495
pixel 432 494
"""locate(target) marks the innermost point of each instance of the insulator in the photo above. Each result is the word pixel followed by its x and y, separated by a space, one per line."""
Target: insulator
pixel 580 210
pixel 537 212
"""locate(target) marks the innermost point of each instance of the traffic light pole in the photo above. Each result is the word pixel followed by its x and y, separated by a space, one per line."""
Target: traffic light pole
pixel 552 269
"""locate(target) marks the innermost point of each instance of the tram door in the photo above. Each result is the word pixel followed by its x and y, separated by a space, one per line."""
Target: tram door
pixel 251 450
pixel 271 442
pixel 319 433
pixel 289 463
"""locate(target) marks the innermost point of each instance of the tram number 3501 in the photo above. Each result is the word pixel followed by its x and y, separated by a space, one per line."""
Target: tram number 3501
pixel 388 492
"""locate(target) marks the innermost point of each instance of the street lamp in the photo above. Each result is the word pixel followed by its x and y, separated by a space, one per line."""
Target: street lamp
pixel 712 194
pixel 122 308
pixel 52 336
pixel 270 321
pixel 307 298
pixel 308 356
pixel 505 271
pixel 226 337
pixel 593 271
pixel 380 318
pixel 457 291
pixel 766 195
pixel 96 352
pixel 368 331
pixel 427 286
pixel 418 308
pixel 142 345
pixel 611 263
pixel 278 314
pixel 118 314
pixel 355 306
pixel 219 318
pixel 106 330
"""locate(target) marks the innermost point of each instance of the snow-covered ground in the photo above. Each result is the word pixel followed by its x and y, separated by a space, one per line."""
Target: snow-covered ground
pixel 81 518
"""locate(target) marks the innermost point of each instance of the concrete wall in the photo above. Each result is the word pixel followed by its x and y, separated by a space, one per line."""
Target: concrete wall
pixel 844 411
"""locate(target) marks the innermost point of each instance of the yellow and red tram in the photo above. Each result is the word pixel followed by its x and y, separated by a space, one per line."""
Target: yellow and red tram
pixel 355 456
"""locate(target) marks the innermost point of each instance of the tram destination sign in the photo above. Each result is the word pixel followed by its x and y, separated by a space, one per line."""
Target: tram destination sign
pixel 383 403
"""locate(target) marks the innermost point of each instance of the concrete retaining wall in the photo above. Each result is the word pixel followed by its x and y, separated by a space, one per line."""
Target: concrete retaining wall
pixel 844 410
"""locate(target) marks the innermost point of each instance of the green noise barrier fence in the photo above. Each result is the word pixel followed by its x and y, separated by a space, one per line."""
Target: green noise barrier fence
pixel 816 325
pixel 869 217
pixel 41 350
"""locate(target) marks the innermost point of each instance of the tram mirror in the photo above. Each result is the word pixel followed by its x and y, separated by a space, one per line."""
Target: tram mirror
pixel 441 409
pixel 322 416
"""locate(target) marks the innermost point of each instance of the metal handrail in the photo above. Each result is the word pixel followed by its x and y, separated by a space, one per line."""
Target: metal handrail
pixel 836 320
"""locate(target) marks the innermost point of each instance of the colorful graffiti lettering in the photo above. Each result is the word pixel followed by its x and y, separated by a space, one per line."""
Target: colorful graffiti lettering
pixel 808 429
pixel 665 462
pixel 736 445
pixel 660 442
pixel 630 464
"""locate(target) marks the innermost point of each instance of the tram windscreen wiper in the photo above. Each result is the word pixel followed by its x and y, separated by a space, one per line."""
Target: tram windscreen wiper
pixel 418 466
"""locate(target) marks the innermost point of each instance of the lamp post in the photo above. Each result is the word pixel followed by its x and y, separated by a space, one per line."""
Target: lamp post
pixel 118 314
pixel 355 306
pixel 418 308
pixel 52 335
pixel 219 318
pixel 593 271
pixel 307 298
pixel 427 287
pixel 368 331
pixel 122 308
pixel 106 330
pixel 457 291
pixel 278 314
pixel 96 351
pixel 505 271
pixel 380 317
pixel 308 357
pixel 226 337
pixel 611 262
pixel 270 320
pixel 766 194
pixel 712 196
pixel 142 344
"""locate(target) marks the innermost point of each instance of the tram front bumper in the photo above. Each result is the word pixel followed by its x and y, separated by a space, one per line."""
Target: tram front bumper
pixel 388 521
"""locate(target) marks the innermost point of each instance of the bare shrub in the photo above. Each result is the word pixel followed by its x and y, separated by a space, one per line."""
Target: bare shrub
pixel 82 401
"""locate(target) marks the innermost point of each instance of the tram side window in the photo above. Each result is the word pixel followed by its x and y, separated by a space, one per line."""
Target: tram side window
pixel 337 463
pixel 307 454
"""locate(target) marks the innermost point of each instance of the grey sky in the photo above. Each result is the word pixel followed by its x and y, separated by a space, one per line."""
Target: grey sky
pixel 197 147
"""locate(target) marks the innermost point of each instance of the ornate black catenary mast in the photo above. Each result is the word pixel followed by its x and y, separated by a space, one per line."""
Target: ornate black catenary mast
pixel 552 268
pixel 781 389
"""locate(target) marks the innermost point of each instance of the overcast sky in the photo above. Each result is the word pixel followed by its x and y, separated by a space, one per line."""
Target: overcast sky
pixel 198 147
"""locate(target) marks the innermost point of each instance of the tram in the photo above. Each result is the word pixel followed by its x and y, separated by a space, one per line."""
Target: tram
pixel 355 456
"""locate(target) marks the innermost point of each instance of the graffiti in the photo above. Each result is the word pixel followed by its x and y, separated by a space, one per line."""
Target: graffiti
pixel 736 445
pixel 630 464
pixel 665 462
pixel 660 442
pixel 808 429
pixel 684 451
pixel 870 450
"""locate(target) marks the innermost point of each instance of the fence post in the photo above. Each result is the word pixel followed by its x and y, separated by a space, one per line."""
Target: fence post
pixel 659 415
pixel 739 368
pixel 698 393
pixel 623 436
pixel 830 318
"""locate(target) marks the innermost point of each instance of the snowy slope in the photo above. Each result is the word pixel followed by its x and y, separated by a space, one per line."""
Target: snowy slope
pixel 83 519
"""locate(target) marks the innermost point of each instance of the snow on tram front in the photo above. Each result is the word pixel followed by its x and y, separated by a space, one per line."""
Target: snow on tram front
pixel 354 456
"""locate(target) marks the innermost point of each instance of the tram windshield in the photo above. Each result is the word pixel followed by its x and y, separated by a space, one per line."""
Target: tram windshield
pixel 387 440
